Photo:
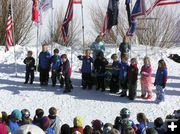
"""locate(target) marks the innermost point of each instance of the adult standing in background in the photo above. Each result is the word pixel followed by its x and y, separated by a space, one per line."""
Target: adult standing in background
pixel 44 64
pixel 124 47
pixel 97 46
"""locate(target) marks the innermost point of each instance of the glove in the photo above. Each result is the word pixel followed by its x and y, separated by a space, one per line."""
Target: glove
pixel 79 56
pixel 154 83
pixel 163 85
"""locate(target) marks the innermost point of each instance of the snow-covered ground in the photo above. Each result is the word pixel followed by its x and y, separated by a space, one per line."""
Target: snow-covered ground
pixel 89 104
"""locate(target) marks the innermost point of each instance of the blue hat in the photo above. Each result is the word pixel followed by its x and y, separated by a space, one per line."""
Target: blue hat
pixel 16 114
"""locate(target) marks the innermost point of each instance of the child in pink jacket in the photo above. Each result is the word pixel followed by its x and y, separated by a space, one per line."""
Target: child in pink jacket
pixel 146 79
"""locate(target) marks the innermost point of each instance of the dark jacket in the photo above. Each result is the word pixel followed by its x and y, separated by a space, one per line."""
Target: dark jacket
pixel 123 71
pixel 30 63
pixel 56 62
pixel 124 48
pixel 100 66
pixel 44 60
pixel 86 63
pixel 115 68
pixel 132 74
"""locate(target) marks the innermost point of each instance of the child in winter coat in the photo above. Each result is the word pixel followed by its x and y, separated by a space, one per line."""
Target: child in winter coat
pixel 146 79
pixel 44 64
pixel 160 81
pixel 114 83
pixel 123 121
pixel 124 47
pixel 66 72
pixel 38 116
pixel 44 125
pixel 86 69
pixel 159 125
pixel 15 117
pixel 25 117
pixel 78 125
pixel 54 121
pixel 132 79
pixel 3 128
pixel 143 122
pixel 55 68
pixel 99 67
pixel 30 67
pixel 123 77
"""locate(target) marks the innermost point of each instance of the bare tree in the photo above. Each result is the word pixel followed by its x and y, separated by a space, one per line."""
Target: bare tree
pixel 22 21
pixel 159 29
pixel 55 34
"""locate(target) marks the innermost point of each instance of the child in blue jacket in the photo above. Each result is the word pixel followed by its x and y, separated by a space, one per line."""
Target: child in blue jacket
pixel 160 81
pixel 44 64
pixel 55 67
pixel 114 83
pixel 123 75
pixel 143 123
pixel 86 69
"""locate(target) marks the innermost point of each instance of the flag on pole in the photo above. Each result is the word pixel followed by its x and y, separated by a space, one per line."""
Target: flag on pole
pixel 35 11
pixel 68 17
pixel 8 35
pixel 111 17
pixel 138 10
pixel 128 9
pixel 46 4
pixel 77 1
pixel 162 3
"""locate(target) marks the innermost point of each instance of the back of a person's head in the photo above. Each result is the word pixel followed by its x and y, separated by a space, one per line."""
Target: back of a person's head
pixel 52 111
pixel 158 122
pixel 78 121
pixel 96 132
pixel 114 131
pixel 97 124
pixel 88 130
pixel 141 117
pixel 39 113
pixel 65 129
pixel 151 131
pixel 129 130
pixel 107 128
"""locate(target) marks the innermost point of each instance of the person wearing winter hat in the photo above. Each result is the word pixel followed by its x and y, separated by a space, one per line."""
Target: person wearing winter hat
pixel 78 124
pixel 3 127
pixel 4 118
pixel 38 116
pixel 44 125
pixel 107 128
pixel 97 125
pixel 65 129
pixel 29 129
pixel 88 130
pixel 15 117
pixel 54 120
pixel 25 117
pixel 151 131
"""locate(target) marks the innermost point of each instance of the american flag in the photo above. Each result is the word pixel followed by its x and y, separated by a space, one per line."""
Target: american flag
pixel 77 1
pixel 162 3
pixel 68 17
pixel 8 35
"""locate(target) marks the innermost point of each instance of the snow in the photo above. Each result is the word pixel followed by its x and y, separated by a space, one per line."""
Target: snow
pixel 89 104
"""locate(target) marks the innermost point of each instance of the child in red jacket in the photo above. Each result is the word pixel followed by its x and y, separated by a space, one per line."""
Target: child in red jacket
pixel 132 79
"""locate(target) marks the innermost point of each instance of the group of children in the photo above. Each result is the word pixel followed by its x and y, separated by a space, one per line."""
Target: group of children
pixel 124 76
pixel 17 123
pixel 59 66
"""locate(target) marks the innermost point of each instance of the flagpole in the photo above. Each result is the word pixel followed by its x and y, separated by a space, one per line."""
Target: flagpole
pixel 15 61
pixel 131 37
pixel 52 25
pixel 82 15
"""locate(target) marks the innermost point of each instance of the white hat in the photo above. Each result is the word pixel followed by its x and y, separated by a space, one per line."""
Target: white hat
pixel 29 128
